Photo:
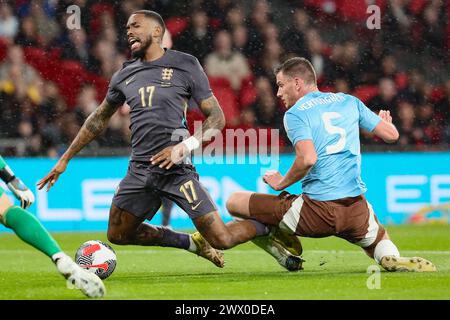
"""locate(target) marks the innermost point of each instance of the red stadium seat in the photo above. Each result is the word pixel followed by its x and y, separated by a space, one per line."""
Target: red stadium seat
pixel 365 93
pixel 100 83
pixel 401 80
pixel 215 23
pixel 247 94
pixel 193 115
pixel 416 6
pixel 3 49
pixel 227 98
pixel 176 25
pixel 326 88
pixel 71 76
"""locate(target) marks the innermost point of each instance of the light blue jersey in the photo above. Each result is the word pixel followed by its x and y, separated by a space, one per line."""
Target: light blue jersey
pixel 331 121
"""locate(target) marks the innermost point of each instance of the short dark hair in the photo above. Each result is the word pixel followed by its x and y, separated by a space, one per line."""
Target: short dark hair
pixel 155 16
pixel 300 67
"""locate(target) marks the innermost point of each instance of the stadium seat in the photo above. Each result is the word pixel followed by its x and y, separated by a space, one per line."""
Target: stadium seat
pixel 326 88
pixel 247 94
pixel 401 80
pixel 71 76
pixel 100 83
pixel 3 48
pixel 227 98
pixel 192 116
pixel 416 6
pixel 176 25
pixel 365 93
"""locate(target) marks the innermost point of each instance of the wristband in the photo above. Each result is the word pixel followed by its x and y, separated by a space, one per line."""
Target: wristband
pixel 191 143
pixel 7 175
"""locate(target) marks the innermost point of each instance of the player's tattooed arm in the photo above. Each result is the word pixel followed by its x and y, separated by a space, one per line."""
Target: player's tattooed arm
pixel 92 128
pixel 212 126
pixel 215 119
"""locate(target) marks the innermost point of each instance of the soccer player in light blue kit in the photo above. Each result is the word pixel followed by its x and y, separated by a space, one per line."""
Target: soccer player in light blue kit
pixel 324 129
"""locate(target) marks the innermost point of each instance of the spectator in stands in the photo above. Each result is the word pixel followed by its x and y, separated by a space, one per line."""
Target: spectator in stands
pixel 265 108
pixel 270 58
pixel 345 64
pixel 316 47
pixel 86 103
pixel 9 23
pixel 77 48
pixel 443 107
pixel 19 78
pixel 225 62
pixel 235 18
pixel 396 25
pixel 406 123
pixel 103 58
pixel 293 39
pixel 28 36
pixel 218 10
pixel 52 108
pixel 416 89
pixel 259 17
pixel 197 38
pixel 427 124
pixel 240 40
pixel 47 27
pixel 341 85
pixel 433 37
pixel 386 98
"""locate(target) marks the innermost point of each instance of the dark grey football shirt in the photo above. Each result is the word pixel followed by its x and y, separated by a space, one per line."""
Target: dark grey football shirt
pixel 158 93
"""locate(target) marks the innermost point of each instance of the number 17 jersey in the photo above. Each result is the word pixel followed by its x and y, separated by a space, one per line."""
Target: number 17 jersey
pixel 332 122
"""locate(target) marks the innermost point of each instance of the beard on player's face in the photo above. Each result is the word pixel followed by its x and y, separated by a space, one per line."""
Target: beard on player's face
pixel 140 53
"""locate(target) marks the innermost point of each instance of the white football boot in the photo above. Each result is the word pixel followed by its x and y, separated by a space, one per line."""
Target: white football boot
pixel 90 284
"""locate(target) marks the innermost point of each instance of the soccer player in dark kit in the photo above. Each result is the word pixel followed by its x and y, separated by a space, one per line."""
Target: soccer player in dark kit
pixel 157 84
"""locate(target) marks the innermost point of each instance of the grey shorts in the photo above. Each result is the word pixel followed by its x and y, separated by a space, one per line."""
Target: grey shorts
pixel 142 189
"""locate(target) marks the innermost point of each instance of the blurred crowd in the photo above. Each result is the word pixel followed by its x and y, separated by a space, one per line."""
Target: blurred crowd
pixel 52 77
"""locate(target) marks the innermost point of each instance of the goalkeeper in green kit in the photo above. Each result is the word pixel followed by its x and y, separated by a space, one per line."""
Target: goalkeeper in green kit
pixel 28 228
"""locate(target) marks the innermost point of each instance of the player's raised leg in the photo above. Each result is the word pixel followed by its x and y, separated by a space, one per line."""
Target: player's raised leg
pixel 125 228
pixel 284 246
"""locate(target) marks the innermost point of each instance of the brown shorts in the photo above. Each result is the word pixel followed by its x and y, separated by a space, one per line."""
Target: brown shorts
pixel 352 218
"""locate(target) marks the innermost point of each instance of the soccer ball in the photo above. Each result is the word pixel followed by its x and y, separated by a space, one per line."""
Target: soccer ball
pixel 97 257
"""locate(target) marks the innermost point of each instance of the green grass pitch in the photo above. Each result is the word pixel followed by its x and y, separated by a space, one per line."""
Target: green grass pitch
pixel 334 269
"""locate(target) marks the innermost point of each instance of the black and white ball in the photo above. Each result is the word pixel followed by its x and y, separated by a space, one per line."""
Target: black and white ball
pixel 97 257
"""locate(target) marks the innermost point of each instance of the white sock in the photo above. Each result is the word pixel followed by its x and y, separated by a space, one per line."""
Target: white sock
pixel 58 255
pixel 385 248
pixel 192 245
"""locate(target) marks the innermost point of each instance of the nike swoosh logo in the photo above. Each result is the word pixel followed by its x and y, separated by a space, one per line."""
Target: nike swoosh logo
pixel 129 80
pixel 196 206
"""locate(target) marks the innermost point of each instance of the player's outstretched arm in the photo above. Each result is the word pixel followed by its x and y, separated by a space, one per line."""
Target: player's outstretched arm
pixel 305 159
pixel 92 128
pixel 385 129
pixel 212 126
